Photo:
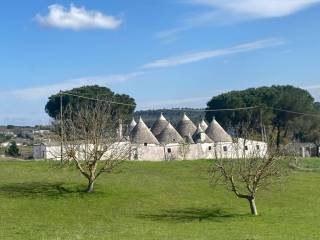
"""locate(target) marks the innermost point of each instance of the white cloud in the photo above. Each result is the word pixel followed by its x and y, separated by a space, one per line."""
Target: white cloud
pixel 77 18
pixel 258 8
pixel 171 33
pixel 225 12
pixel 45 91
pixel 199 56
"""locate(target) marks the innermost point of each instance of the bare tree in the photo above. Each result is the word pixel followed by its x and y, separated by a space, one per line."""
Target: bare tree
pixel 91 140
pixel 249 170
pixel 184 149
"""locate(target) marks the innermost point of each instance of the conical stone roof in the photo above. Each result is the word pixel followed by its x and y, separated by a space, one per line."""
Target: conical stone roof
pixel 186 127
pixel 200 136
pixel 169 135
pixel 159 125
pixel 141 134
pixel 217 133
pixel 188 139
pixel 132 125
pixel 203 125
pixel 199 129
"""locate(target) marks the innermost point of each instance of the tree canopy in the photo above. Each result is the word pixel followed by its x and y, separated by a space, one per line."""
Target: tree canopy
pixel 13 150
pixel 123 112
pixel 267 100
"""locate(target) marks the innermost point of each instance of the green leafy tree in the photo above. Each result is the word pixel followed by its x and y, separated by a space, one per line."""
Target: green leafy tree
pixel 282 125
pixel 4 138
pixel 13 150
pixel 312 134
pixel 123 112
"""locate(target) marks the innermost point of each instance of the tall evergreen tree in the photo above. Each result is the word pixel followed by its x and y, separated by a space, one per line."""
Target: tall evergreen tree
pixel 267 100
pixel 123 112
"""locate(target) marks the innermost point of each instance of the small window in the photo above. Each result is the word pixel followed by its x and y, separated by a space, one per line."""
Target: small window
pixel 258 147
pixel 169 150
pixel 246 148
pixel 210 148
pixel 225 148
pixel 145 144
pixel 174 140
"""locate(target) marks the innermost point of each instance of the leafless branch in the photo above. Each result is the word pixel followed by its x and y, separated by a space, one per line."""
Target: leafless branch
pixel 91 140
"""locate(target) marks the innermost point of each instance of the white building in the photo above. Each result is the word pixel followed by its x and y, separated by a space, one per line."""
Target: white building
pixel 5 144
pixel 187 142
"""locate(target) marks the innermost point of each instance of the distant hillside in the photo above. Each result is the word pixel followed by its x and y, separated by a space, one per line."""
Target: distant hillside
pixel 173 115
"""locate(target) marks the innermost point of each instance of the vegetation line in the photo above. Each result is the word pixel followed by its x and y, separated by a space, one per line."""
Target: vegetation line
pixel 199 110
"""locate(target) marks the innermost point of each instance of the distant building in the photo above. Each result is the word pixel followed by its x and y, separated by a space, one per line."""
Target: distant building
pixel 5 144
pixel 164 142
pixel 41 132
pixel 8 144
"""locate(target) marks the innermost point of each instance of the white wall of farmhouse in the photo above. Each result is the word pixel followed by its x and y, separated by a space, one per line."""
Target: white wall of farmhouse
pixel 153 152
pixel 42 151
pixel 175 151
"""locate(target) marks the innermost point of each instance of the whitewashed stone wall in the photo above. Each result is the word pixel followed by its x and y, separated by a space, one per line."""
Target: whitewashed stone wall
pixel 151 152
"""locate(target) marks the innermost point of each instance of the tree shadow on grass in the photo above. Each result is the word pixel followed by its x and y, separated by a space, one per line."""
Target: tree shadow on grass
pixel 192 214
pixel 37 189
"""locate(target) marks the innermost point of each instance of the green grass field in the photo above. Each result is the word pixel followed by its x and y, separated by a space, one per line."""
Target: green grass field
pixel 145 200
pixel 310 163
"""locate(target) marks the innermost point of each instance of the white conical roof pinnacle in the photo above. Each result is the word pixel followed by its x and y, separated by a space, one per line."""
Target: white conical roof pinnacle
pixel 217 133
pixel 141 134
pixel 203 124
pixel 159 125
pixel 162 117
pixel 199 127
pixel 186 126
pixel 133 122
pixel 185 117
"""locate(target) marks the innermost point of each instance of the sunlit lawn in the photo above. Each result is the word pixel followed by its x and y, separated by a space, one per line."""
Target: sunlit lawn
pixel 145 200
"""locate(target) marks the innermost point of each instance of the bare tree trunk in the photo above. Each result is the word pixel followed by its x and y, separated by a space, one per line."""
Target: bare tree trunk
pixel 278 137
pixel 90 186
pixel 253 207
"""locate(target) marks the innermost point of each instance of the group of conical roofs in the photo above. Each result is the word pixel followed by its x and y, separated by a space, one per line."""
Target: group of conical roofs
pixel 162 132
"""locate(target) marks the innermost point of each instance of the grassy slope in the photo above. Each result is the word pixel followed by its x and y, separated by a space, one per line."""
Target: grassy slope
pixel 144 200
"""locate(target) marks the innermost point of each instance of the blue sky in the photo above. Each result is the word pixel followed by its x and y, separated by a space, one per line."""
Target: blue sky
pixel 168 53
